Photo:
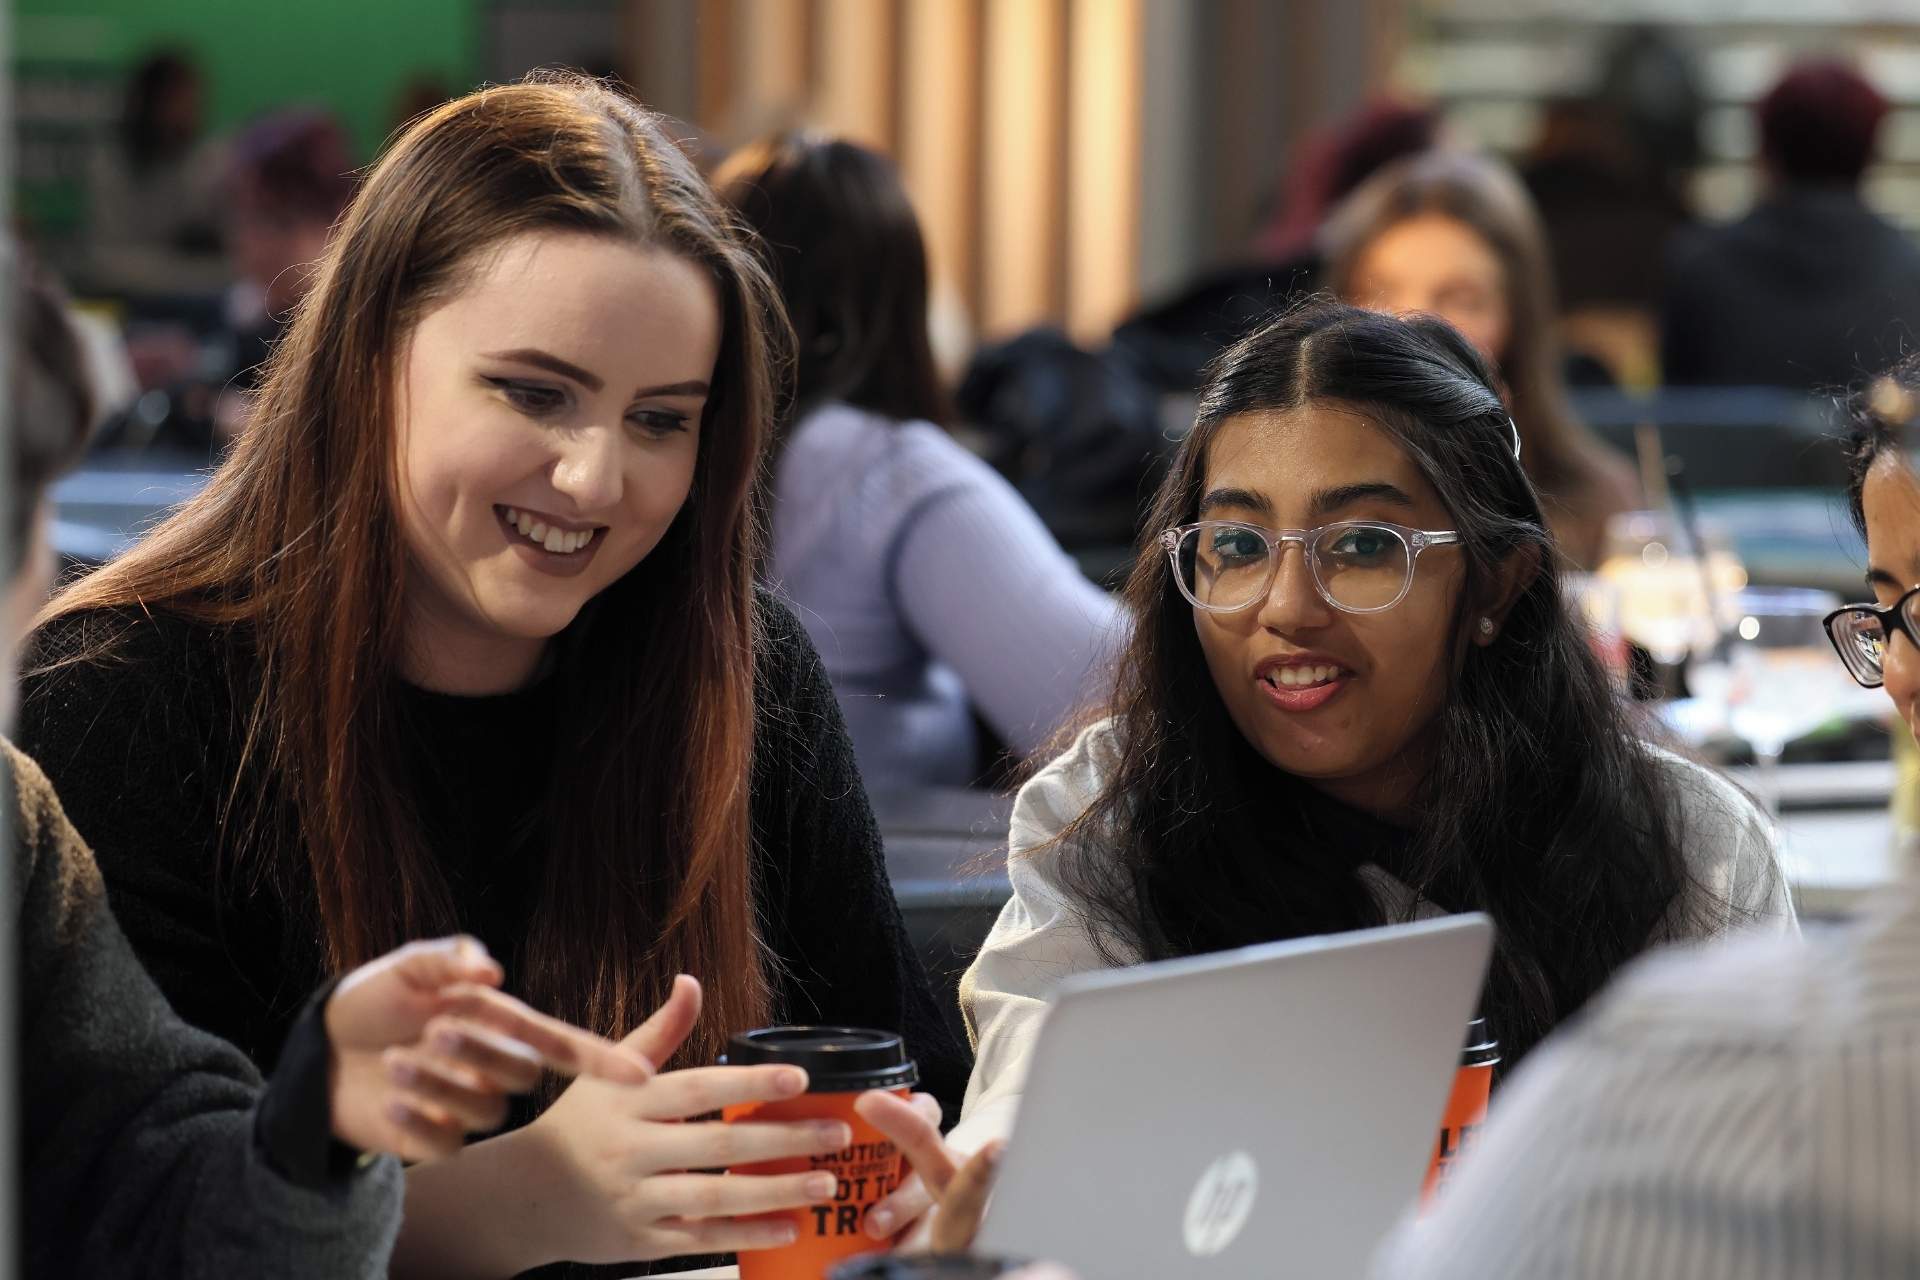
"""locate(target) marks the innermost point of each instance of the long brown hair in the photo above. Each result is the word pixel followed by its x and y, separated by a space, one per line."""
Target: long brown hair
pixel 647 868
pixel 1560 453
pixel 845 248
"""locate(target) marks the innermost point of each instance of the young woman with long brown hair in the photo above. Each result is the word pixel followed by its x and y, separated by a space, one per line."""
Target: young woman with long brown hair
pixel 1455 234
pixel 465 635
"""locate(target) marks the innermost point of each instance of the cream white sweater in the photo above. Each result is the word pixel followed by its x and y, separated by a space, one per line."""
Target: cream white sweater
pixel 1041 938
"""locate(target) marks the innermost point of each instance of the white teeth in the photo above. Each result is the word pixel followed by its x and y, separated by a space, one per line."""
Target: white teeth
pixel 553 539
pixel 1301 677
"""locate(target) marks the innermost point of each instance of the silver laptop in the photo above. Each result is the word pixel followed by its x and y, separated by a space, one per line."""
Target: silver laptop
pixel 1267 1112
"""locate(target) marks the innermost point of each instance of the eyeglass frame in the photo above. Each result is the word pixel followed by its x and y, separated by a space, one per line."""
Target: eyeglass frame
pixel 1416 540
pixel 1894 613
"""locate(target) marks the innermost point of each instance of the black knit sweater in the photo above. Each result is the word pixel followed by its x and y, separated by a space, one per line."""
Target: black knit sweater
pixel 142 746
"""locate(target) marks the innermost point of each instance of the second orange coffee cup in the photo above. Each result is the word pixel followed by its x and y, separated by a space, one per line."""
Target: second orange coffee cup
pixel 1466 1105
pixel 841 1064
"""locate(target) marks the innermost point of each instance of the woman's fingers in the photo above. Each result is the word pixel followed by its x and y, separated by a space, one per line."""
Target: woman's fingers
pixel 716 1145
pixel 455 1091
pixel 907 1127
pixel 732 1195
pixel 965 1202
pixel 660 1037
pixel 563 1047
pixel 929 1106
pixel 723 1235
pixel 441 962
pixel 699 1091
pixel 421 1131
pixel 902 1209
pixel 507 1064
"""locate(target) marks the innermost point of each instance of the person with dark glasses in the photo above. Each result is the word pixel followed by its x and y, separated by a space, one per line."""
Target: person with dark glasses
pixel 1743 1110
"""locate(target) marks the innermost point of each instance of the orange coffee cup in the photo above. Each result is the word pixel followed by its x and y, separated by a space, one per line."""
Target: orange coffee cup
pixel 1466 1105
pixel 841 1064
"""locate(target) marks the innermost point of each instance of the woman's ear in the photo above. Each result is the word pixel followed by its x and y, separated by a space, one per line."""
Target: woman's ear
pixel 1515 574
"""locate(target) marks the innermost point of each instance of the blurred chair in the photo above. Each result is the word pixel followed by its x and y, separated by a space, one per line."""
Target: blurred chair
pixel 1766 465
pixel 946 856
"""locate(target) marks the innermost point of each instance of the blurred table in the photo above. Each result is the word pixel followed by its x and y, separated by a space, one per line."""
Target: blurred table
pixel 103 507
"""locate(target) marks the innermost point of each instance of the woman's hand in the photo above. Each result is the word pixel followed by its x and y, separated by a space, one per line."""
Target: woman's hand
pixel 620 1162
pixel 950 1187
pixel 423 1050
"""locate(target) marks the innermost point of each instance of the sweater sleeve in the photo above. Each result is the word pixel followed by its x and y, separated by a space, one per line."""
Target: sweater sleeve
pixel 138 745
pixel 985 588
pixel 140 1149
pixel 1733 859
pixel 839 937
pixel 1039 939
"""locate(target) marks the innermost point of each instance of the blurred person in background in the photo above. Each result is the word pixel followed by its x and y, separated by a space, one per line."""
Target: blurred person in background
pixel 290 176
pixel 1811 289
pixel 153 193
pixel 1748 1110
pixel 1171 341
pixel 1454 234
pixel 928 584
pixel 1608 172
pixel 150 1148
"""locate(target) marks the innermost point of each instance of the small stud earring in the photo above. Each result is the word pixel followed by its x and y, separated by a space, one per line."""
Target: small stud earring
pixel 1486 628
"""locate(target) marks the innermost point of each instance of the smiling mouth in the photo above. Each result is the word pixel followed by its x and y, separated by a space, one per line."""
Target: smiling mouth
pixel 536 532
pixel 1303 677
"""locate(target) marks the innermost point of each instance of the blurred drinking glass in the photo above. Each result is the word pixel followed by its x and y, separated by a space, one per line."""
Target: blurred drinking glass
pixel 1662 584
pixel 1777 679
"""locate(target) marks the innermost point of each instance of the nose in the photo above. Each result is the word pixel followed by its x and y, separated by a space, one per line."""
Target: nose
pixel 1293 602
pixel 589 469
pixel 1901 673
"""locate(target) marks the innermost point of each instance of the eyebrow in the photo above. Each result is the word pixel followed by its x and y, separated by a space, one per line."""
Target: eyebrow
pixel 1329 500
pixel 1882 578
pixel 1243 498
pixel 567 369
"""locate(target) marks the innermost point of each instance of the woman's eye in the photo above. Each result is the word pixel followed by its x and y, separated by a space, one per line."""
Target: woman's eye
pixel 1360 544
pixel 529 397
pixel 658 422
pixel 1238 544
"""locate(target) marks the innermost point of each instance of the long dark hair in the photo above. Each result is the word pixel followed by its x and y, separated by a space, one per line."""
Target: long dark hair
pixel 647 870
pixel 1881 415
pixel 1542 806
pixel 844 245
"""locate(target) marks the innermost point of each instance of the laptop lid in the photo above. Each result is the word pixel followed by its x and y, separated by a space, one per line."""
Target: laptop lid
pixel 1263 1112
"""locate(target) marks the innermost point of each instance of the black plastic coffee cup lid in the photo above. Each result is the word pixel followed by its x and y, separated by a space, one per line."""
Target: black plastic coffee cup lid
pixel 924 1266
pixel 1481 1050
pixel 836 1059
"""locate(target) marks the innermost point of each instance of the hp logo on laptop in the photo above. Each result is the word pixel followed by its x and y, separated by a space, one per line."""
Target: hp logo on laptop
pixel 1221 1203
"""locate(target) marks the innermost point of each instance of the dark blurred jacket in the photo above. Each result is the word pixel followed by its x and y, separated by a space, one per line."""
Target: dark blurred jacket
pixel 1810 290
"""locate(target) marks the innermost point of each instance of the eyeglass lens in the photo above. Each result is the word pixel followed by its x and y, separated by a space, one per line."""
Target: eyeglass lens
pixel 1356 566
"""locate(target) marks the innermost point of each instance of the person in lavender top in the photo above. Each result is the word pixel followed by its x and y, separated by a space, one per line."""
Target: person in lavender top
pixel 929 586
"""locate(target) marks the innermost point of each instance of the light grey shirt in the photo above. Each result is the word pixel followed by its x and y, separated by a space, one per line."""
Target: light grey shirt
pixel 930 587
pixel 1748 1111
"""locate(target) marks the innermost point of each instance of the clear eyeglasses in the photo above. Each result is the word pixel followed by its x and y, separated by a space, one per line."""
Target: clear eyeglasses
pixel 1861 633
pixel 1359 566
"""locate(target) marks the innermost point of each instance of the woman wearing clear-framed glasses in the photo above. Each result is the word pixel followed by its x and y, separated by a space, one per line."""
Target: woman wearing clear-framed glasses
pixel 1355 696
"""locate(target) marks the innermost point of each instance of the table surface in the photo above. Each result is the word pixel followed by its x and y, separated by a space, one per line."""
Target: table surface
pixel 1837 837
